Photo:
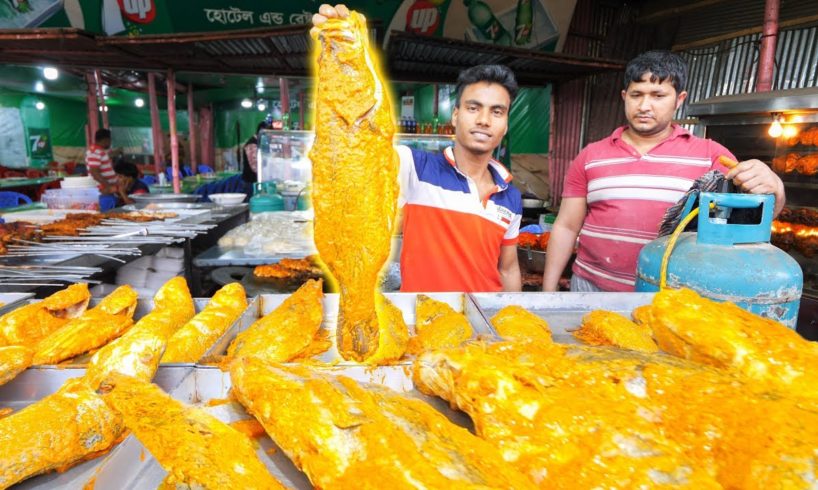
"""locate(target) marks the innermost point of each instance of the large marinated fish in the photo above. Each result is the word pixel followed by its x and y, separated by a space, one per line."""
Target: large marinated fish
pixel 138 351
pixel 285 333
pixel 354 177
pixel 516 323
pixel 724 335
pixel 31 323
pixel 57 432
pixel 602 327
pixel 585 417
pixel 195 448
pixel 14 359
pixel 438 326
pixel 96 327
pixel 346 437
pixel 193 340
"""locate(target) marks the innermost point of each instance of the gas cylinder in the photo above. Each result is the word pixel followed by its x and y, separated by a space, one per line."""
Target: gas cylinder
pixel 729 262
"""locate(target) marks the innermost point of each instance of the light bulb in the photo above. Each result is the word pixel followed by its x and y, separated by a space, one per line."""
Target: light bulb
pixel 790 131
pixel 261 106
pixel 40 105
pixel 38 86
pixel 139 102
pixel 247 103
pixel 50 73
pixel 776 129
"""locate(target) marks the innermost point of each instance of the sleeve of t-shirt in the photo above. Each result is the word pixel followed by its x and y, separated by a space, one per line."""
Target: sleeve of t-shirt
pixel 576 181
pixel 406 174
pixel 513 231
pixel 717 150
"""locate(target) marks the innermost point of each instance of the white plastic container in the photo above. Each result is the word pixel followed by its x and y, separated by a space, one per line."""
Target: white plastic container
pixel 86 199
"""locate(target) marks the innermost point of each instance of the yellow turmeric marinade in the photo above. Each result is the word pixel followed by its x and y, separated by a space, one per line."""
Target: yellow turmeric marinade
pixel 601 327
pixel 31 323
pixel 355 178
pixel 437 326
pixel 195 448
pixel 516 323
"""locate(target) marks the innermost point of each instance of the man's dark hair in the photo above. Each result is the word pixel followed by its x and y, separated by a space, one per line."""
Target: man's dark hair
pixel 102 134
pixel 127 169
pixel 499 74
pixel 662 65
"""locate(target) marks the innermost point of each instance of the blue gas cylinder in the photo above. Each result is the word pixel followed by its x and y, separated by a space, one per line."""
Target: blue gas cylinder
pixel 729 262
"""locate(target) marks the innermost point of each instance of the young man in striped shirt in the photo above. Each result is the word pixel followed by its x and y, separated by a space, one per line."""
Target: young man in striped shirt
pixel 618 189
pixel 98 161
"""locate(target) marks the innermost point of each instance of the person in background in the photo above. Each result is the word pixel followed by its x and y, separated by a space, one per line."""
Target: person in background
pixel 129 183
pixel 249 156
pixel 617 190
pixel 98 162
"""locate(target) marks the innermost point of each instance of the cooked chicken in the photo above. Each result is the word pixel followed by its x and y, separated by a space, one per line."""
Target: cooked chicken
pixel 344 436
pixel 437 326
pixel 724 335
pixel 609 328
pixel 57 432
pixel 31 323
pixel 195 448
pixel 286 332
pixel 138 351
pixel 14 359
pixel 193 340
pixel 355 176
pixel 96 327
pixel 515 322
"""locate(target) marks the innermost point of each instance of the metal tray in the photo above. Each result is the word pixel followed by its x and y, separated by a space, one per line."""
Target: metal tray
pixel 562 311
pixel 217 256
pixel 403 301
pixel 145 306
pixel 37 383
pixel 149 198
pixel 8 301
pixel 131 467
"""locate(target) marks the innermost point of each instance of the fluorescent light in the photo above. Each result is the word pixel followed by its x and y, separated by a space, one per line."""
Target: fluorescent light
pixel 139 102
pixel 40 105
pixel 39 86
pixel 103 108
pixel 247 103
pixel 51 73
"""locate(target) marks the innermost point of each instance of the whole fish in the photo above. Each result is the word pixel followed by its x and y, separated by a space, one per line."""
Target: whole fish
pixel 354 177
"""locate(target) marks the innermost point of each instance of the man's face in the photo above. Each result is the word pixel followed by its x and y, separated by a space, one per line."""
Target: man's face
pixel 649 106
pixel 105 143
pixel 481 119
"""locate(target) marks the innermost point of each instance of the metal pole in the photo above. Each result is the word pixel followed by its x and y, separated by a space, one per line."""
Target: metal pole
pixel 93 111
pixel 766 59
pixel 156 125
pixel 193 129
pixel 284 90
pixel 101 96
pixel 174 141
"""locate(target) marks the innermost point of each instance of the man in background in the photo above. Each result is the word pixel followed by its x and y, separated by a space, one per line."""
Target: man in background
pixel 98 161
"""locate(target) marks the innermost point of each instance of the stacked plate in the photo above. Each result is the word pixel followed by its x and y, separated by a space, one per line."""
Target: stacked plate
pixel 78 182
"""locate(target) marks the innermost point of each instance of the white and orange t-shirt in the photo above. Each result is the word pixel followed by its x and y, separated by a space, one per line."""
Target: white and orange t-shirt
pixel 452 240
pixel 98 157
pixel 627 195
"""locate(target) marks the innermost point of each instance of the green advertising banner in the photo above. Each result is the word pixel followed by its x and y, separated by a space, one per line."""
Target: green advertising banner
pixel 533 24
pixel 39 145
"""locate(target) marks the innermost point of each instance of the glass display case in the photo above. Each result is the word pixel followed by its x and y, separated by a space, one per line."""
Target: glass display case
pixel 781 129
pixel 283 159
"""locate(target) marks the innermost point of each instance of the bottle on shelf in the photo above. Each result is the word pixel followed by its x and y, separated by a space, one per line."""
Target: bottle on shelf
pixel 483 18
pixel 523 22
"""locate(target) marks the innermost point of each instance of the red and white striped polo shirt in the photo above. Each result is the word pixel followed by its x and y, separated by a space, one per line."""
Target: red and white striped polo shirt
pixel 627 195
pixel 98 157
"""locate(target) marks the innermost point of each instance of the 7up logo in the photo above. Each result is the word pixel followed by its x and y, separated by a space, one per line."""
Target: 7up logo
pixel 422 18
pixel 139 11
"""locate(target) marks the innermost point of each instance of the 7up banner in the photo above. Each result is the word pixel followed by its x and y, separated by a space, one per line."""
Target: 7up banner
pixel 533 24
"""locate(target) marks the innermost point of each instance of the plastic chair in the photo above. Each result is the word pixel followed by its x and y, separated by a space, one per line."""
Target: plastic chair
pixel 186 171
pixel 148 179
pixel 204 169
pixel 9 199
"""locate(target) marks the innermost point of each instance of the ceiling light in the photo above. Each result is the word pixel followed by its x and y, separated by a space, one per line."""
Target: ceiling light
pixel 39 87
pixel 51 73
pixel 40 105
pixel 103 108
pixel 247 103
pixel 776 129
pixel 261 106
pixel 139 102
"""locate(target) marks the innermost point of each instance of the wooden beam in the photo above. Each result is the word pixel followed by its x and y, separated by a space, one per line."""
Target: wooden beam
pixel 192 130
pixel 156 126
pixel 174 139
